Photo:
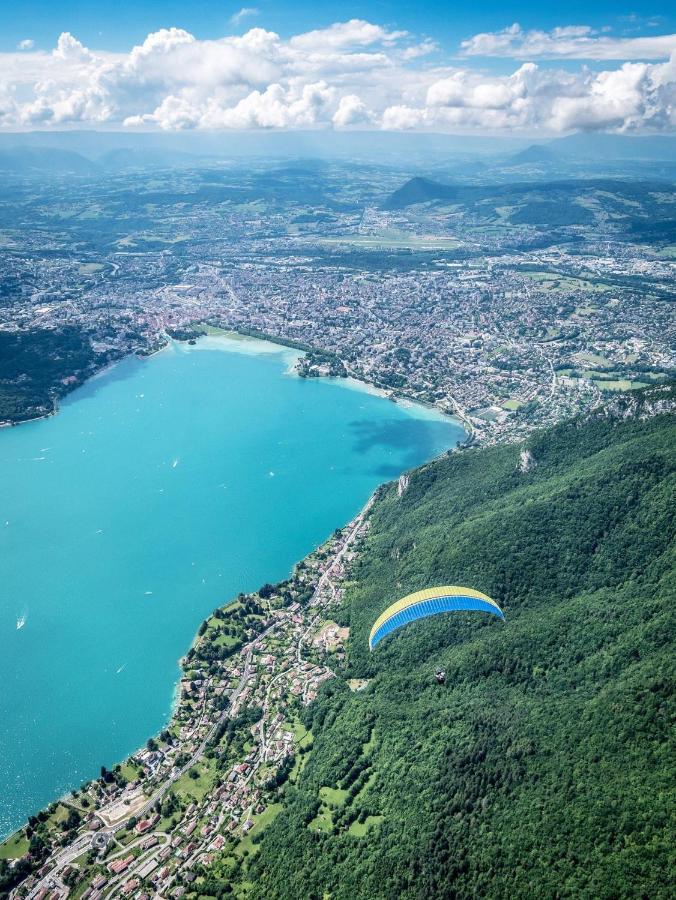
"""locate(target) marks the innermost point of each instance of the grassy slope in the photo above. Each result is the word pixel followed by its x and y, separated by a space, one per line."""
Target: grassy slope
pixel 541 768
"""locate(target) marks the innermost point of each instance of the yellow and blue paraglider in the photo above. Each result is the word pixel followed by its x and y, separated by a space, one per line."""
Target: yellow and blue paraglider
pixel 430 602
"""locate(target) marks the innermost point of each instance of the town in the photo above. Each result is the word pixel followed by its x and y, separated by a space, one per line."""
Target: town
pixel 507 327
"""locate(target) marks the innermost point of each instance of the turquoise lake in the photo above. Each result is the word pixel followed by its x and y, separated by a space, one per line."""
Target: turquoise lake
pixel 161 489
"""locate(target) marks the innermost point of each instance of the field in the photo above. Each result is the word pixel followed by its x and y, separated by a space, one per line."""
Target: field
pixel 620 385
pixel 129 772
pixel 14 847
pixel 261 822
pixel 512 405
pixel 195 788
pixel 359 829
pixel 302 737
pixel 215 331
pixel 552 281
pixel 331 800
pixel 395 241
pixel 358 684
pixel 591 359
pixel 332 796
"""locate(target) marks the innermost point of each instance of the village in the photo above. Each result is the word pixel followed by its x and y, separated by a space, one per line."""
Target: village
pixel 211 781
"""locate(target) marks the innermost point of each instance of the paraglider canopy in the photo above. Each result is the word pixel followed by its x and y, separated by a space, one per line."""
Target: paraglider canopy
pixel 430 602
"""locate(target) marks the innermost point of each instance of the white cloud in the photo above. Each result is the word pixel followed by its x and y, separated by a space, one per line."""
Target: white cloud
pixel 630 98
pixel 26 44
pixel 350 75
pixel 342 35
pixel 69 48
pixel 466 89
pixel 635 97
pixel 351 111
pixel 273 108
pixel 246 12
pixel 424 48
pixel 569 42
pixel 400 118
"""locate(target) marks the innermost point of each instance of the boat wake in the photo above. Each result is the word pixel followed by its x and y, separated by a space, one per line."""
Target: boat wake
pixel 21 621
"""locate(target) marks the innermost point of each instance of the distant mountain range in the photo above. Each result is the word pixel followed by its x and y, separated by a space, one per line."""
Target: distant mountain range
pixel 420 190
pixel 40 152
pixel 45 160
pixel 29 160
pixel 615 146
pixel 606 193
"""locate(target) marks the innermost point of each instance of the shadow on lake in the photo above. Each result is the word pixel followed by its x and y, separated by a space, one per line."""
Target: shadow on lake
pixel 415 440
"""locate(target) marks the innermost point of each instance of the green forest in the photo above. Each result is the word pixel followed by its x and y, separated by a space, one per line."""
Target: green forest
pixel 544 765
pixel 34 365
pixel 39 367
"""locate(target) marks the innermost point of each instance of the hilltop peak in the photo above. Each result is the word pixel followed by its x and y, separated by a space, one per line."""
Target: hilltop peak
pixel 419 190
pixel 536 153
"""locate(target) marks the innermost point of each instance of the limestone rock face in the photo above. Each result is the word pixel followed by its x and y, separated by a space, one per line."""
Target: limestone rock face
pixel 526 461
pixel 402 486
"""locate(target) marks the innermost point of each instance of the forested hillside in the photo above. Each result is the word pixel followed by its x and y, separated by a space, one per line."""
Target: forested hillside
pixel 633 207
pixel 37 368
pixel 543 767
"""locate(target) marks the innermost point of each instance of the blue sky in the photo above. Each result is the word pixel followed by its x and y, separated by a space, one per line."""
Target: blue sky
pixel 118 25
pixel 530 69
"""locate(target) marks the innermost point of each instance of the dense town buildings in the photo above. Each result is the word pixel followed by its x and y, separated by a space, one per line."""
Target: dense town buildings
pixel 509 327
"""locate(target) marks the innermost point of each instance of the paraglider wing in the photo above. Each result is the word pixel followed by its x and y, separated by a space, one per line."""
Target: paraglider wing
pixel 430 602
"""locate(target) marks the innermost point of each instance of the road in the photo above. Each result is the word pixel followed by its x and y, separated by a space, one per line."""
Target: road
pixel 326 577
pixel 84 841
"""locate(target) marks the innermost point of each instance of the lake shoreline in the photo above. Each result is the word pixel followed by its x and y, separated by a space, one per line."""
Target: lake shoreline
pixel 251 337
pixel 144 803
pixel 183 663
pixel 311 396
